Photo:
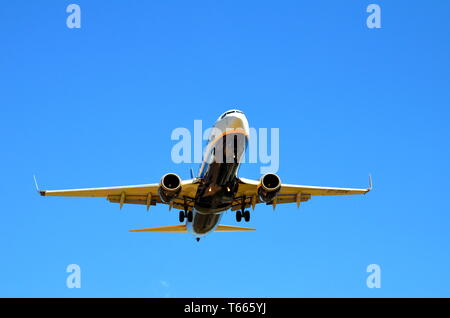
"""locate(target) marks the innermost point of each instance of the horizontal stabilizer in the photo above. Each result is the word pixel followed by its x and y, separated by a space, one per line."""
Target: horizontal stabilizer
pixel 182 229
pixel 165 229
pixel 229 228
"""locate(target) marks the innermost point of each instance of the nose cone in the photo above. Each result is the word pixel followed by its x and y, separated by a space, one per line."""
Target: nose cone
pixel 233 119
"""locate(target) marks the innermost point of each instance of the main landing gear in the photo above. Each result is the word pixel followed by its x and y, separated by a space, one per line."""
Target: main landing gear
pixel 240 215
pixel 186 214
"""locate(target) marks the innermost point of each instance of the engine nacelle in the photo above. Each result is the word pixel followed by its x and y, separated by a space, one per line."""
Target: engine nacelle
pixel 269 186
pixel 169 187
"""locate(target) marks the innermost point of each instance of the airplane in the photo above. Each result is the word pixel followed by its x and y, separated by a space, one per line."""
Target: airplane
pixel 216 189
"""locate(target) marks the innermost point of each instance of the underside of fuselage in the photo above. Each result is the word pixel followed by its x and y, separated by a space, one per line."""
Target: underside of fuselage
pixel 203 224
pixel 218 175
pixel 214 197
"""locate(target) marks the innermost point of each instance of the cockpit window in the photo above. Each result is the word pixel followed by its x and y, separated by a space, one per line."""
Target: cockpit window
pixel 229 112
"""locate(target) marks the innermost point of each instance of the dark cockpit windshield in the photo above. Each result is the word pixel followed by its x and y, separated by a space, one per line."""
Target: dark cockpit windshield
pixel 230 112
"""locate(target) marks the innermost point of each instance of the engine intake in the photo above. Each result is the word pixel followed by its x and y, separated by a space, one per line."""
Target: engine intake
pixel 269 186
pixel 169 187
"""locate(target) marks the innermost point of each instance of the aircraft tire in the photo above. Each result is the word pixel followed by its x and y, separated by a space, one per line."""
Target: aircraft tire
pixel 246 216
pixel 238 216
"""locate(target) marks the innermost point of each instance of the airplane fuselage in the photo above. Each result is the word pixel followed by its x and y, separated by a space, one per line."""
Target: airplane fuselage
pixel 218 172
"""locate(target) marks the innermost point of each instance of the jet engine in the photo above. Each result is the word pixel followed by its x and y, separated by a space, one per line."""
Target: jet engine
pixel 269 186
pixel 169 187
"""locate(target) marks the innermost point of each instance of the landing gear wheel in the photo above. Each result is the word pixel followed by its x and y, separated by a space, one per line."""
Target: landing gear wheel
pixel 238 216
pixel 190 216
pixel 181 216
pixel 246 216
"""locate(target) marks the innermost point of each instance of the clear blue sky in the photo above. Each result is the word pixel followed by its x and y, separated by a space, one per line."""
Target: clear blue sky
pixel 96 107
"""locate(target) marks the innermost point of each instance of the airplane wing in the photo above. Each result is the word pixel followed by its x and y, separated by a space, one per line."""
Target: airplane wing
pixel 247 195
pixel 145 194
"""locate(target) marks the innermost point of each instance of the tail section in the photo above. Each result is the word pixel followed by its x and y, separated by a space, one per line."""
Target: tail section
pixel 182 229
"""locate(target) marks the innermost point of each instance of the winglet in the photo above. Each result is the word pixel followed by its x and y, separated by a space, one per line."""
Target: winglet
pixel 41 192
pixel 370 183
pixel 35 183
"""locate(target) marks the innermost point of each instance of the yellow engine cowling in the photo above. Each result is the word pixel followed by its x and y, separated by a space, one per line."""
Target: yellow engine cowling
pixel 269 186
pixel 169 187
